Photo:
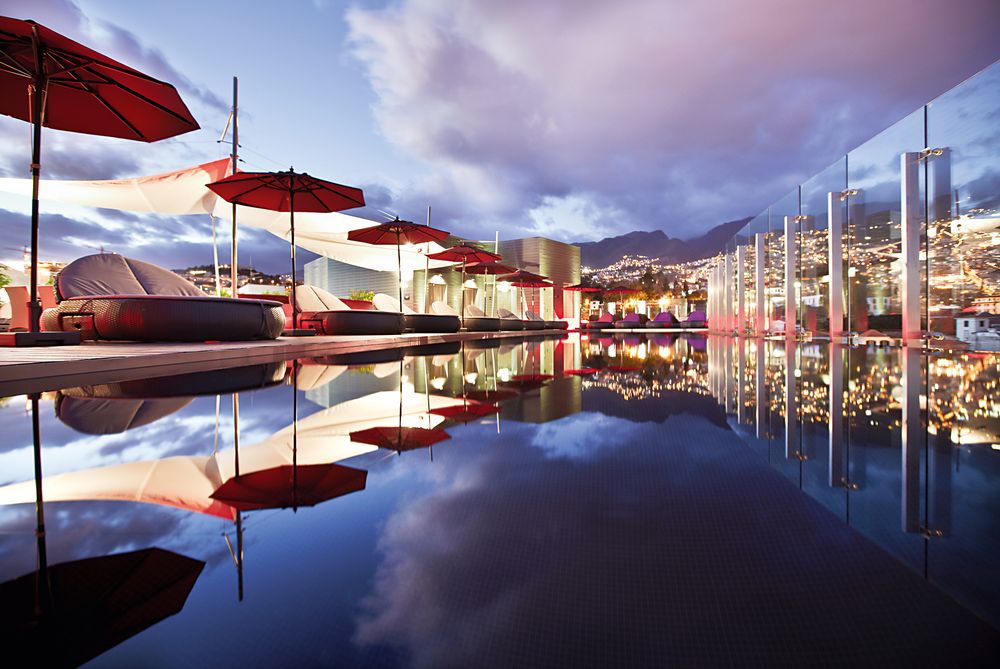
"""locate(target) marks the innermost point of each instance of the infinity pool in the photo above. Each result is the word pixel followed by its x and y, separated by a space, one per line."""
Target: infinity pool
pixel 616 501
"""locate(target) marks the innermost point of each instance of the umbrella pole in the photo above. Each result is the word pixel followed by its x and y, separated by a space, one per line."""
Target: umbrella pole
pixel 34 308
pixel 427 262
pixel 295 437
pixel 44 588
pixel 462 291
pixel 215 260
pixel 295 316
pixel 399 271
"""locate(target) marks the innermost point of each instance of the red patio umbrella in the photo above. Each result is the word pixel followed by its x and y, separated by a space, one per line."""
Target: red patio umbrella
pixel 464 253
pixel 467 412
pixel 525 279
pixel 580 288
pixel 525 382
pixel 493 269
pixel 398 438
pixel 398 232
pixel 48 79
pixel 487 395
pixel 289 191
pixel 290 486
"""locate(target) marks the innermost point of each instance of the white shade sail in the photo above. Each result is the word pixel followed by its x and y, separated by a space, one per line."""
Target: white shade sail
pixel 184 192
pixel 187 482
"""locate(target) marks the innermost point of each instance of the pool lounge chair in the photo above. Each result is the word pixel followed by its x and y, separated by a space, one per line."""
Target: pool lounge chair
pixel 664 319
pixel 509 320
pixel 533 321
pixel 632 320
pixel 326 313
pixel 477 321
pixel 110 297
pixel 416 322
pixel 607 320
pixel 696 319
pixel 546 325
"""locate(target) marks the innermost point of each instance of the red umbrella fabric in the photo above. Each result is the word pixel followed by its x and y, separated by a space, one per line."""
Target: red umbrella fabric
pixel 80 90
pixel 290 486
pixel 583 371
pixel 400 438
pixel 488 268
pixel 525 382
pixel 524 279
pixel 289 191
pixel 485 395
pixel 580 288
pixel 464 253
pixel 466 413
pixel 397 232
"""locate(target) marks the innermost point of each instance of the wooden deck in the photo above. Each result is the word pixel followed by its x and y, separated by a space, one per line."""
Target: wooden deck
pixel 32 370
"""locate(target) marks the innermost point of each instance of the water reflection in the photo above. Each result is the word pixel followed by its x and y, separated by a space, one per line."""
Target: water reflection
pixel 603 500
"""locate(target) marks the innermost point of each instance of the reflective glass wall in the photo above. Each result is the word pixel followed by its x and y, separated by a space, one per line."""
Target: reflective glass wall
pixel 911 219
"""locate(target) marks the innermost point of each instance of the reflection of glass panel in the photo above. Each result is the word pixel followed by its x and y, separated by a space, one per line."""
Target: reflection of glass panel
pixel 813 274
pixel 875 230
pixel 964 197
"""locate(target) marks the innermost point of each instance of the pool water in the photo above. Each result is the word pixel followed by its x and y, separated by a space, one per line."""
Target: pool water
pixel 617 501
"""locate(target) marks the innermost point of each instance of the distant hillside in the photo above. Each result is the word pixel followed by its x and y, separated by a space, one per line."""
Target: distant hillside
pixel 657 244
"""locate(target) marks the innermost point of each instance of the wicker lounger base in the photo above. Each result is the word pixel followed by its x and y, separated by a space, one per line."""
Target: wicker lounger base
pixel 534 325
pixel 352 322
pixel 166 318
pixel 597 325
pixel 482 324
pixel 512 324
pixel 432 323
pixel 556 325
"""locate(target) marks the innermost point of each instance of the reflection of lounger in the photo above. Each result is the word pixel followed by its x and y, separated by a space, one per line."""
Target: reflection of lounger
pixel 477 321
pixel 510 321
pixel 111 297
pixel 324 312
pixel 418 322
pixel 607 320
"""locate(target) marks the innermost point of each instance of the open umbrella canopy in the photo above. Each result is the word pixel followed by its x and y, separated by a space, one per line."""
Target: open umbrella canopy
pixel 466 413
pixel 525 279
pixel 289 191
pixel 290 486
pixel 48 79
pixel 487 268
pixel 397 232
pixel 85 91
pixel 465 253
pixel 580 288
pixel 400 438
pixel 524 382
pixel 96 604
pixel 487 395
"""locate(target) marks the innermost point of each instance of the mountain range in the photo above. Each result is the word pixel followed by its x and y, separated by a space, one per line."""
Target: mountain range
pixel 657 244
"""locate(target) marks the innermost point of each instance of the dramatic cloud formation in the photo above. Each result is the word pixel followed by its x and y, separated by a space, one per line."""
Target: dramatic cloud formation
pixel 582 118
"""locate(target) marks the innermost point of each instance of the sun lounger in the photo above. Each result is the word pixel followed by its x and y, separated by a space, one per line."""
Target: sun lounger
pixel 533 321
pixel 696 319
pixel 632 320
pixel 326 313
pixel 664 319
pixel 111 297
pixel 416 322
pixel 607 320
pixel 509 320
pixel 477 321
pixel 546 325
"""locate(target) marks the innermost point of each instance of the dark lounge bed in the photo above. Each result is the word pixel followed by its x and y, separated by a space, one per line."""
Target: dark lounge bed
pixel 110 297
pixel 416 322
pixel 324 312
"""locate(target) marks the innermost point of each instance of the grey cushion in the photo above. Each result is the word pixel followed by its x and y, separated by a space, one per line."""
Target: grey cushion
pixel 108 274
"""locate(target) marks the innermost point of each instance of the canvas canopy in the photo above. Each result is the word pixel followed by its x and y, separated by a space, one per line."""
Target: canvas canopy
pixel 184 192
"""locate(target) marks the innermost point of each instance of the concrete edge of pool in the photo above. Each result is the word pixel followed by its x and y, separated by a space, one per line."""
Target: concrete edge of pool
pixel 32 370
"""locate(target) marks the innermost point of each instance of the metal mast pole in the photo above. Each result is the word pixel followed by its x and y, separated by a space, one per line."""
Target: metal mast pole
pixel 233 272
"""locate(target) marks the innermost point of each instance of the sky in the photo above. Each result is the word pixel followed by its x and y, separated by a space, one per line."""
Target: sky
pixel 572 119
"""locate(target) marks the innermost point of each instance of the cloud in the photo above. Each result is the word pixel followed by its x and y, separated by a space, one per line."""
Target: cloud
pixel 579 117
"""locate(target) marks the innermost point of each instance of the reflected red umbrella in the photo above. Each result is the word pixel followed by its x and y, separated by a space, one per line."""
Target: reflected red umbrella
pixel 290 486
pixel 289 191
pixel 397 232
pixel 525 382
pixel 583 371
pixel 400 438
pixel 623 368
pixel 497 395
pixel 93 604
pixel 466 413
pixel 48 79
pixel 465 254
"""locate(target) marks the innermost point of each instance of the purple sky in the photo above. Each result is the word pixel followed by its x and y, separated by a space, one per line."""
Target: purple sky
pixel 575 119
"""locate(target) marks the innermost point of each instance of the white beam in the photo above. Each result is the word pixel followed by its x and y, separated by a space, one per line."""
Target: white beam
pixel 791 316
pixel 909 277
pixel 760 241
pixel 835 263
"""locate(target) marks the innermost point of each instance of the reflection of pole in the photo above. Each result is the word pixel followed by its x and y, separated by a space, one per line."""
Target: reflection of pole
pixel 43 592
pixel 911 440
pixel 791 407
pixel 760 386
pixel 741 363
pixel 837 475
pixel 239 515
